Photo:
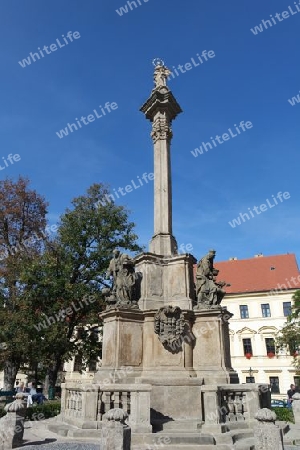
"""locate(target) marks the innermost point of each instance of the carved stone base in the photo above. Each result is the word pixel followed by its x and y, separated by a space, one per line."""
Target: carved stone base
pixel 175 403
pixel 122 342
pixel 211 355
pixel 166 281
pixel 163 244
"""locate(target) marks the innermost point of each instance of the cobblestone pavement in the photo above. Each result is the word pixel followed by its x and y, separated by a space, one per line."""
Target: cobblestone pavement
pixel 37 436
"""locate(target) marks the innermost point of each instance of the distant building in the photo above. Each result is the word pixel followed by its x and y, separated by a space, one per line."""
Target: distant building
pixel 260 297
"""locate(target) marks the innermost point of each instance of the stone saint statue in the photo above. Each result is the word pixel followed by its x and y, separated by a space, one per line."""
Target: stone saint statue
pixel 209 292
pixel 161 74
pixel 124 281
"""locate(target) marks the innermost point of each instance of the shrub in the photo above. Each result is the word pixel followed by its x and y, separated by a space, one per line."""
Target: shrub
pixel 46 410
pixel 284 414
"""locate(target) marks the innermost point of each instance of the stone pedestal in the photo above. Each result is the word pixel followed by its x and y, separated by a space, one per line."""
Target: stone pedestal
pixel 122 345
pixel 134 353
pixel 267 435
pixel 132 349
pixel 211 354
pixel 12 425
pixel 166 281
pixel 296 408
pixel 175 403
pixel 116 434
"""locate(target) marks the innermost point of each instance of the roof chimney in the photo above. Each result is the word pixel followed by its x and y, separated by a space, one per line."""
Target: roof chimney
pixel 259 255
pixel 233 258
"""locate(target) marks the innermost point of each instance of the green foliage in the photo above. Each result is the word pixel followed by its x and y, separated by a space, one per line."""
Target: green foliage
pixel 22 224
pixel 64 284
pixel 289 336
pixel 44 411
pixel 39 412
pixel 51 287
pixel 284 414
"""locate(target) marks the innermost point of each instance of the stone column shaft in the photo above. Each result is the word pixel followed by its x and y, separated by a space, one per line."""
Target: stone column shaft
pixel 161 108
pixel 162 183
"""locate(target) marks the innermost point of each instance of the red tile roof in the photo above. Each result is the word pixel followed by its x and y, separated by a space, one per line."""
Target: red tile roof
pixel 263 273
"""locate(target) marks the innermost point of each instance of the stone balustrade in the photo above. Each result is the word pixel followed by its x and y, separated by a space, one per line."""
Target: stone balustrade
pixel 86 404
pixel 230 403
pixel 74 403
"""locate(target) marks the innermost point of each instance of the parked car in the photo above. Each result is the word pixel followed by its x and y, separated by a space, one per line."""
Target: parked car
pixel 278 404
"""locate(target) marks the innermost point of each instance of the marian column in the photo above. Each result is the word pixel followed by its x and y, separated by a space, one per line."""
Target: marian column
pixel 161 108
pixel 167 276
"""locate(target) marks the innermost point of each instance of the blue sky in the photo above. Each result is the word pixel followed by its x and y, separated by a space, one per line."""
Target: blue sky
pixel 250 78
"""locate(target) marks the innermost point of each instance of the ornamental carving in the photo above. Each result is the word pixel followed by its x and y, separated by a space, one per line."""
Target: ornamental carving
pixel 161 129
pixel 169 325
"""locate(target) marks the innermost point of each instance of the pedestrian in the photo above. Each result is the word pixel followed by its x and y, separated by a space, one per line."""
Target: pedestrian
pixel 36 397
pixel 290 394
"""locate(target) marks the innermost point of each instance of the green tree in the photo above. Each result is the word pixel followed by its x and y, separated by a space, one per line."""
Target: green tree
pixel 289 336
pixel 22 225
pixel 64 284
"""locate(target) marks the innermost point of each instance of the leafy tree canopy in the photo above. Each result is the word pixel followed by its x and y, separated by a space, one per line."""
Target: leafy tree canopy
pixel 63 284
pixel 289 336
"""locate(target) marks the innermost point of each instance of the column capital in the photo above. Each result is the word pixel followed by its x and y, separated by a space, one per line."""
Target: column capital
pixel 161 101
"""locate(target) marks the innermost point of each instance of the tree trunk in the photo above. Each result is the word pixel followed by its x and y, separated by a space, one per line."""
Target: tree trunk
pixel 52 372
pixel 11 369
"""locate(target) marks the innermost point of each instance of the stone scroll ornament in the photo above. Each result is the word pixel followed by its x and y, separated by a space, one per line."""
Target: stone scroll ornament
pixel 169 325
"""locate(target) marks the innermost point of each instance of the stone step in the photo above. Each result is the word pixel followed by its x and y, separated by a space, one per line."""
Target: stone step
pixel 244 444
pixel 184 447
pixel 73 432
pixel 157 440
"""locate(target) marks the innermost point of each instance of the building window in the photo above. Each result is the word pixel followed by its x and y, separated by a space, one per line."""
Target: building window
pixel 244 313
pixel 287 308
pixel 247 346
pixel 297 382
pixel 265 310
pixel 250 380
pixel 270 346
pixel 274 382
